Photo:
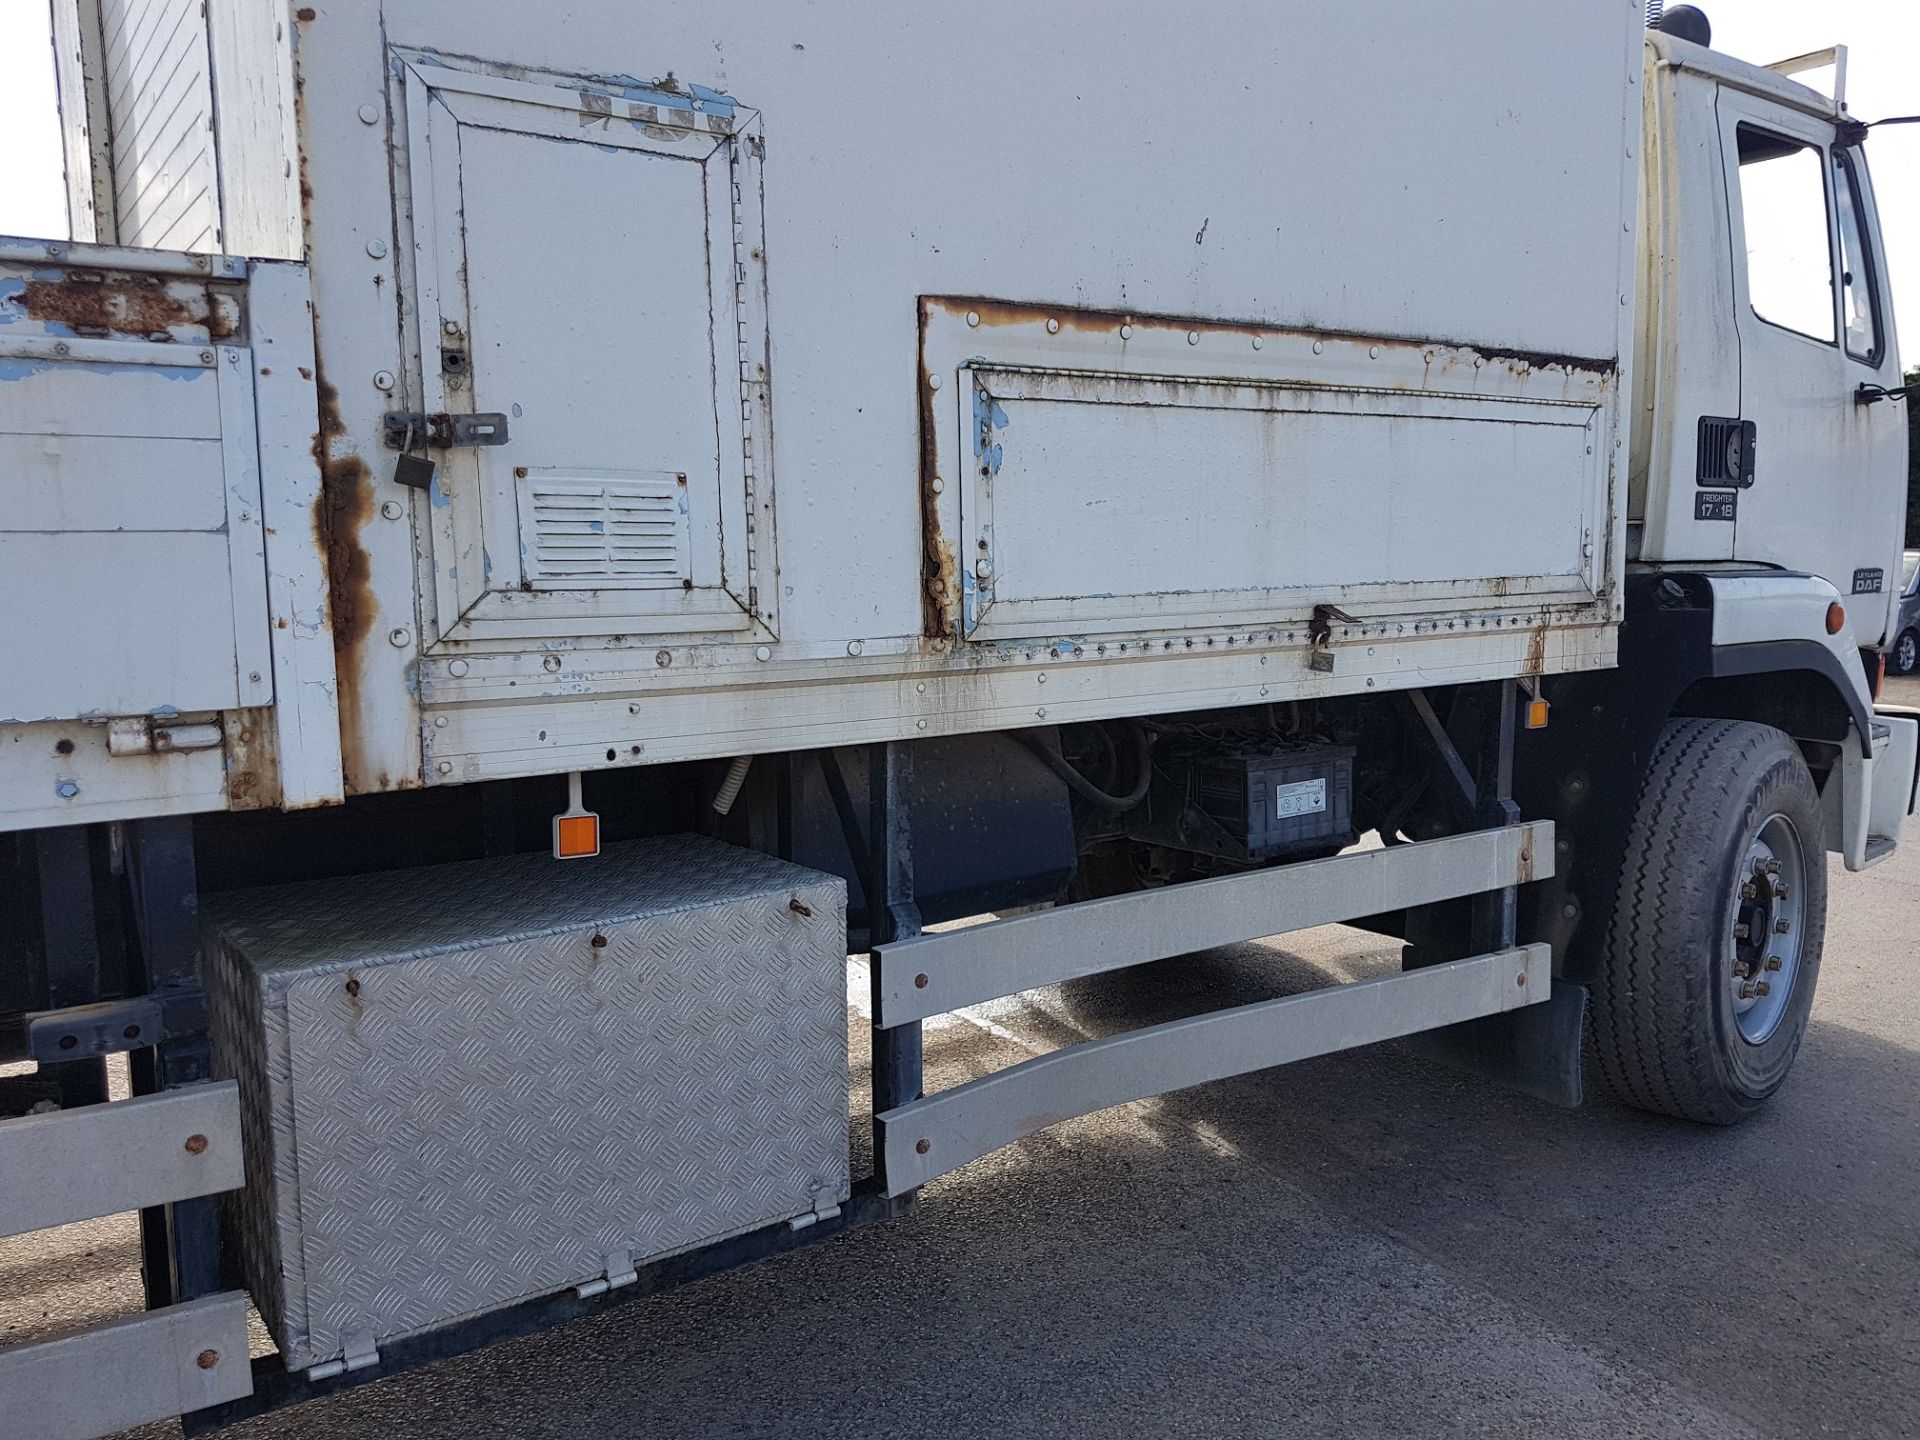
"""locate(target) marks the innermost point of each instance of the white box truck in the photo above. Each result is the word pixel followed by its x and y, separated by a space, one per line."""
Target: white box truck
pixel 528 536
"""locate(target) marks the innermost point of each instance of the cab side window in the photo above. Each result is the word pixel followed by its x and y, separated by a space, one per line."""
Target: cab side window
pixel 1859 285
pixel 1783 205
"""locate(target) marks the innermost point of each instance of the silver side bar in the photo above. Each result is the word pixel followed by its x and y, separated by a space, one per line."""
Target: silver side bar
pixel 151 1366
pixel 944 1131
pixel 124 1155
pixel 932 974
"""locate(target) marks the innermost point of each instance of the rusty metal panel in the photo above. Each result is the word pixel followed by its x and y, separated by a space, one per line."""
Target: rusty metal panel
pixel 133 535
pixel 503 326
pixel 130 534
pixel 1120 474
pixel 1366 227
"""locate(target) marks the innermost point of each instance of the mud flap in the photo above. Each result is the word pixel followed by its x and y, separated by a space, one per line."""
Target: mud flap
pixel 1536 1050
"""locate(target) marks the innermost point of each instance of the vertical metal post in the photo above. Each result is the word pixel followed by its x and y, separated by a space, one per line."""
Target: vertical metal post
pixel 69 947
pixel 180 1243
pixel 1495 914
pixel 892 915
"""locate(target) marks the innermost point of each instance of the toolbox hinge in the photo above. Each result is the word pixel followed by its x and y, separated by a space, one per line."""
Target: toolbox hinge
pixel 361 1354
pixel 619 1271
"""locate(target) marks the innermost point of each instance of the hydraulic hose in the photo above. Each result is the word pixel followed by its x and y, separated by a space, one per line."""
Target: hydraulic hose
pixel 1085 788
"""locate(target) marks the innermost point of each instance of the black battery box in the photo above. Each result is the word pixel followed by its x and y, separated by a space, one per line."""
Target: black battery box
pixel 1248 802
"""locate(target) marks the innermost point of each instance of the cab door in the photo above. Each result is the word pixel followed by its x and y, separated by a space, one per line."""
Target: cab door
pixel 1821 487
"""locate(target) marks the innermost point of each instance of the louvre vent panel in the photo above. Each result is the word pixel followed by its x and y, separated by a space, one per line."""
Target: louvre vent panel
pixel 587 531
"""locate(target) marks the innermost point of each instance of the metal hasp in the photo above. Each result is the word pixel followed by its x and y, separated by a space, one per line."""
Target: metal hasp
pixel 414 430
pixel 918 1139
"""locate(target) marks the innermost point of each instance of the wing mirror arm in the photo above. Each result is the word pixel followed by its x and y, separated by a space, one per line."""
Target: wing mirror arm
pixel 1869 394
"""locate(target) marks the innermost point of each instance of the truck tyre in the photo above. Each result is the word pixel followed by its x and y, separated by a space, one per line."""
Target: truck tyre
pixel 1709 964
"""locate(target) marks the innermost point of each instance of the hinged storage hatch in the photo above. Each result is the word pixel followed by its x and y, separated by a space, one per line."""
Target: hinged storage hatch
pixel 132 504
pixel 587 262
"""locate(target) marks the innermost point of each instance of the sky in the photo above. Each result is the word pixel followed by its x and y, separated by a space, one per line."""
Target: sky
pixel 1883 78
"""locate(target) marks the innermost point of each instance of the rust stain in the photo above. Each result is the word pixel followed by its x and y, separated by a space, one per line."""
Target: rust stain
pixel 253 766
pixel 992 313
pixel 1525 872
pixel 305 12
pixel 1536 662
pixel 342 510
pixel 132 304
pixel 939 581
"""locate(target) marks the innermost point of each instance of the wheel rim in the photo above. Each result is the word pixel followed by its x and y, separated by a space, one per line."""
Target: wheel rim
pixel 1768 933
pixel 1906 653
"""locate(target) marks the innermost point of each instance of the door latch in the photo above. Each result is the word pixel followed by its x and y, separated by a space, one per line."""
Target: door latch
pixel 412 432
pixel 405 430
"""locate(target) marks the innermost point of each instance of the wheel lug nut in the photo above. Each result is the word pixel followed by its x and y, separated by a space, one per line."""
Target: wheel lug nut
pixel 1746 991
pixel 1780 891
pixel 1749 892
pixel 1782 925
pixel 1741 969
pixel 1762 988
pixel 1740 931
pixel 1773 962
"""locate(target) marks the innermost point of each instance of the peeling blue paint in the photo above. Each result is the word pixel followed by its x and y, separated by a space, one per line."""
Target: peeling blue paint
pixel 988 419
pixel 16 369
pixel 438 496
pixel 486 562
pixel 165 712
pixel 713 101
pixel 597 527
pixel 10 287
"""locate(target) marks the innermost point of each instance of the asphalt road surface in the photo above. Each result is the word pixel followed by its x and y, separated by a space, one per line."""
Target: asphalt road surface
pixel 1365 1244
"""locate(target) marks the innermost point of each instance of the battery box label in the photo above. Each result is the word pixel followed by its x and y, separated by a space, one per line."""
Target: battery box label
pixel 1303 797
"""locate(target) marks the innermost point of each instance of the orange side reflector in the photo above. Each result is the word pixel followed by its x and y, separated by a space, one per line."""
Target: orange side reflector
pixel 1537 714
pixel 1836 618
pixel 575 837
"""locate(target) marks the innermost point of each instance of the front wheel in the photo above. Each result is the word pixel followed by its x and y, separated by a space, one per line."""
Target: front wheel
pixel 1905 658
pixel 1709 965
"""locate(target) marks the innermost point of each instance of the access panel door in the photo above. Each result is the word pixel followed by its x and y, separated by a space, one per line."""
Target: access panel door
pixel 587 264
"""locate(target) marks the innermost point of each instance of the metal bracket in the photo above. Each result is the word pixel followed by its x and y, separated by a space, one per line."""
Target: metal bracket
pixel 408 429
pixel 144 735
pixel 113 1026
pixel 1467 792
pixel 1869 394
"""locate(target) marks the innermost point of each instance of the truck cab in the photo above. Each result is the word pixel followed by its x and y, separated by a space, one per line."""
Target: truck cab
pixel 1765 334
